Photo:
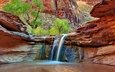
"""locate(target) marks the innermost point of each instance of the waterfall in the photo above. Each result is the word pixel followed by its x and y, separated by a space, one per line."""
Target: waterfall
pixel 53 49
pixel 57 47
pixel 61 42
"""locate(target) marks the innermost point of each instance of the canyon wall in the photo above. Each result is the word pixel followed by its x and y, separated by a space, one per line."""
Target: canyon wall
pixel 98 37
pixel 12 42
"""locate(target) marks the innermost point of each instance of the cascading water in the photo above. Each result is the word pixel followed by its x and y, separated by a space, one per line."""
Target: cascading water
pixel 61 42
pixel 57 47
pixel 53 49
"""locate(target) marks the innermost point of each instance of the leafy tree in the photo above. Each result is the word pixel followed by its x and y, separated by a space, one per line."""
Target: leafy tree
pixel 20 8
pixel 30 13
pixel 40 31
pixel 54 31
pixel 38 3
pixel 60 26
pixel 36 21
pixel 17 7
pixel 36 13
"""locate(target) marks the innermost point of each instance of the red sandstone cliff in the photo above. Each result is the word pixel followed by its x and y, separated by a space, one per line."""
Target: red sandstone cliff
pixel 11 32
pixel 98 37
pixel 13 38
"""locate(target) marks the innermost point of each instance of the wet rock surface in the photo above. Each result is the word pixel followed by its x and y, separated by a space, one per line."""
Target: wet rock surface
pixel 25 67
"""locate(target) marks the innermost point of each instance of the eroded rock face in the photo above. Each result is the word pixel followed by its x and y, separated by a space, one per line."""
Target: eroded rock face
pixel 8 24
pixel 91 2
pixel 11 22
pixel 104 8
pixel 10 42
pixel 100 32
pixel 101 55
pixel 97 33
pixel 98 37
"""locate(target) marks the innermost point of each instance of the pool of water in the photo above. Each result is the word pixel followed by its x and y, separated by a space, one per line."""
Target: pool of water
pixel 52 66
pixel 43 62
pixel 48 62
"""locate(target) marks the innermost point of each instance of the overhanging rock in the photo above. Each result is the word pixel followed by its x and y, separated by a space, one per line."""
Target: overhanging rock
pixel 98 37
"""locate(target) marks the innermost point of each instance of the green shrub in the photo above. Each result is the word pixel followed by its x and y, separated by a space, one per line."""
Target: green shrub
pixel 17 7
pixel 32 17
pixel 40 31
pixel 60 26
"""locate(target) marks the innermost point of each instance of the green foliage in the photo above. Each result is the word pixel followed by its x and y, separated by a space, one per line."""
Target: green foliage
pixel 60 26
pixel 40 31
pixel 20 8
pixel 36 23
pixel 38 3
pixel 17 7
pixel 54 31
pixel 24 9
pixel 35 13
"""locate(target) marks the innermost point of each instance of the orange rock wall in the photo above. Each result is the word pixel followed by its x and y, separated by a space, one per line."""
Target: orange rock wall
pixel 101 55
pixel 98 37
pixel 2 2
pixel 10 41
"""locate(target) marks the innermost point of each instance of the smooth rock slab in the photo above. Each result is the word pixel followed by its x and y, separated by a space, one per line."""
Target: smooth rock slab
pixel 84 67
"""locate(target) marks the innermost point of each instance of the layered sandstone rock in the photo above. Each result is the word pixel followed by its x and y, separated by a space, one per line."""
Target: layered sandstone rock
pixel 91 2
pixel 98 37
pixel 9 25
pixel 13 42
pixel 105 8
